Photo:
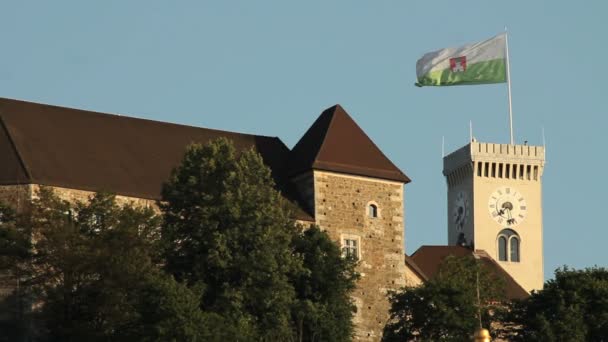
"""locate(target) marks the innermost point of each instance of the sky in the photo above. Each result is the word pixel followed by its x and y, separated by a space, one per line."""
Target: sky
pixel 271 67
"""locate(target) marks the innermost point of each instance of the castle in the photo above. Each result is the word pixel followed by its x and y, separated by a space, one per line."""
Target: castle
pixel 338 178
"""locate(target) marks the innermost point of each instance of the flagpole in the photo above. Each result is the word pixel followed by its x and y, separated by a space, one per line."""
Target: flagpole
pixel 470 130
pixel 509 85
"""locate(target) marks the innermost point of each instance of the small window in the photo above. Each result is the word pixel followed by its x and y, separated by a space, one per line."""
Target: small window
pixel 372 211
pixel 514 249
pixel 350 249
pixel 508 242
pixel 502 248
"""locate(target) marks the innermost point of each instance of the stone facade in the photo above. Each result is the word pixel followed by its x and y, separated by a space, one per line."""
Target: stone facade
pixel 341 204
pixel 18 196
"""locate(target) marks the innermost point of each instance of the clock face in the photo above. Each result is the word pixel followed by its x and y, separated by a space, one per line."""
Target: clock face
pixel 460 210
pixel 507 206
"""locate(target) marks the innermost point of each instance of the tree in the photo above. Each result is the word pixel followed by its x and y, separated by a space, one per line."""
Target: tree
pixel 227 229
pixel 571 307
pixel 14 246
pixel 88 271
pixel 324 309
pixel 445 308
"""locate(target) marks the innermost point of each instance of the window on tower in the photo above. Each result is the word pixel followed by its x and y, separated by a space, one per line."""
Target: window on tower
pixel 508 243
pixel 372 211
pixel 514 249
pixel 350 248
pixel 502 248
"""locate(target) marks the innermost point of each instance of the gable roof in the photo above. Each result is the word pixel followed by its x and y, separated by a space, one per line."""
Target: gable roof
pixel 414 268
pixel 429 259
pixel 336 143
pixel 77 149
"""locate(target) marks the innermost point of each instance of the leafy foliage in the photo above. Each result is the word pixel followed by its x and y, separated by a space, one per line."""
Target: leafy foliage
pixel 226 227
pixel 323 309
pixel 225 262
pixel 571 307
pixel 445 308
pixel 87 271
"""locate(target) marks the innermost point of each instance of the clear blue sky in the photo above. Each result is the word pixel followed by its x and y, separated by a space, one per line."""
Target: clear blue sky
pixel 270 67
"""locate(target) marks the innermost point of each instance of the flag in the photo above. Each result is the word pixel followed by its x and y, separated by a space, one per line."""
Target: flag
pixel 478 63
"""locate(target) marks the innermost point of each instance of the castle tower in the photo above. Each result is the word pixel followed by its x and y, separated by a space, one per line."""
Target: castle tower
pixel 356 195
pixel 495 204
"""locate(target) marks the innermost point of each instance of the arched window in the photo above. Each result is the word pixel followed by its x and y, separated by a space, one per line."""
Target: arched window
pixel 514 248
pixel 372 211
pixel 508 245
pixel 502 248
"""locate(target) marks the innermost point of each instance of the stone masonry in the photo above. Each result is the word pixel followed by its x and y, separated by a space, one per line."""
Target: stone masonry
pixel 341 203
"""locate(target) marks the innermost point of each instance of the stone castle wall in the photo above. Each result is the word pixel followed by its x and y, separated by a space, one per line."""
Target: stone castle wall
pixel 341 204
pixel 17 196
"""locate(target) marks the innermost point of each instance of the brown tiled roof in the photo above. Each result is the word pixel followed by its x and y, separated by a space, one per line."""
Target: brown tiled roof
pixel 71 148
pixel 429 259
pixel 414 267
pixel 335 142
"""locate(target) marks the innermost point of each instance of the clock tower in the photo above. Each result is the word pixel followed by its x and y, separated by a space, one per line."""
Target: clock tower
pixel 495 204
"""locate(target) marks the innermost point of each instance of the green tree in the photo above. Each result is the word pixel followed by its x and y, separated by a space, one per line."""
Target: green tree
pixel 324 309
pixel 89 270
pixel 571 307
pixel 14 247
pixel 227 229
pixel 445 308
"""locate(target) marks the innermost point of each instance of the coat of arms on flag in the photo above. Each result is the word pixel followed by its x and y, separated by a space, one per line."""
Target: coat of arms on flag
pixel 458 64
pixel 476 63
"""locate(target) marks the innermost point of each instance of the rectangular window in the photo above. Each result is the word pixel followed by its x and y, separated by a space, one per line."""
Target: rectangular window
pixel 486 169
pixel 493 170
pixel 500 169
pixel 350 248
pixel 529 172
pixel 521 171
pixel 536 173
pixel 507 167
pixel 479 166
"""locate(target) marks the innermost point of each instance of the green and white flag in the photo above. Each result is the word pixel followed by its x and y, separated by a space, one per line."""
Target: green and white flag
pixel 478 63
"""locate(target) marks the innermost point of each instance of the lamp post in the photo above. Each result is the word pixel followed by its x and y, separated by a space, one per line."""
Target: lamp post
pixel 481 334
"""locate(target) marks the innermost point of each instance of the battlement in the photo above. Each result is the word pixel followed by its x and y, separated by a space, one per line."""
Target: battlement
pixel 494 153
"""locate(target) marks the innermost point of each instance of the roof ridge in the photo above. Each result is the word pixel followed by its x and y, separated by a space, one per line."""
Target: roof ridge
pixel 129 116
pixel 331 121
pixel 26 169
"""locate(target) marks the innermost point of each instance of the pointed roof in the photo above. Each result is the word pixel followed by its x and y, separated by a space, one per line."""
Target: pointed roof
pixel 336 143
pixel 429 259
